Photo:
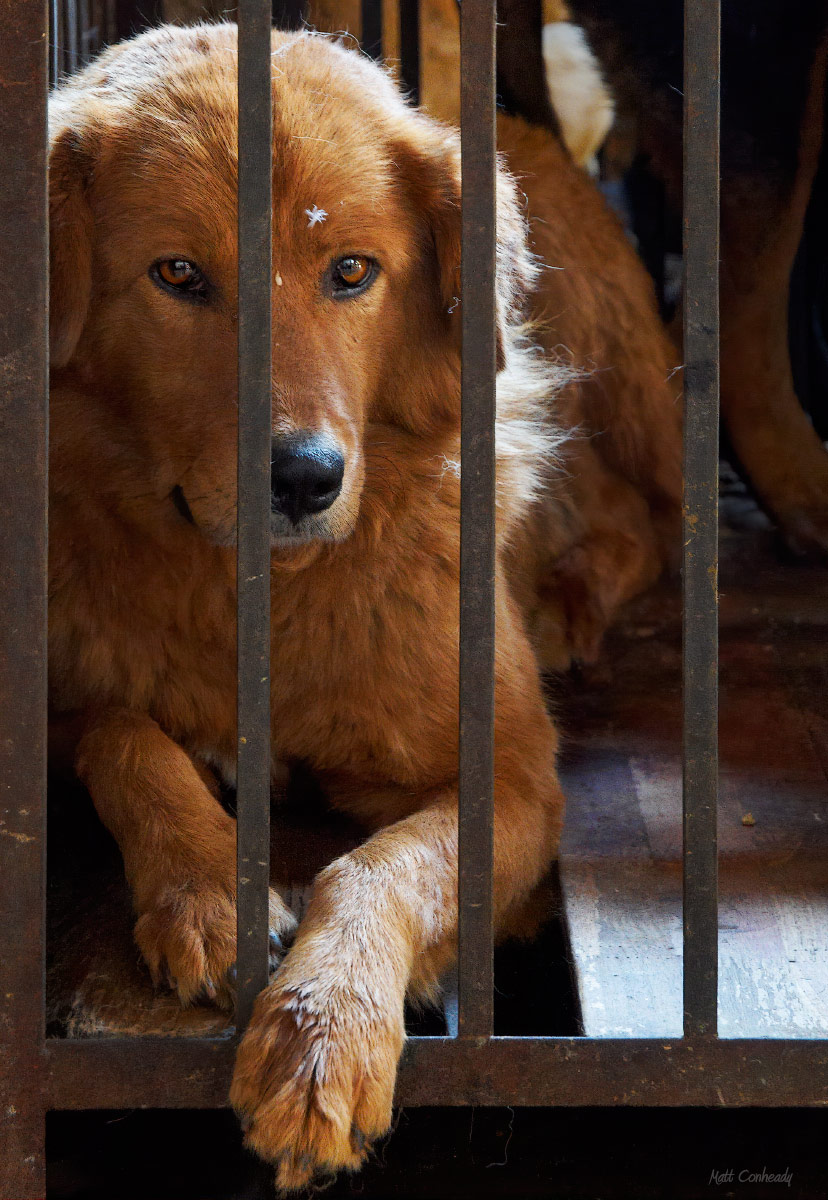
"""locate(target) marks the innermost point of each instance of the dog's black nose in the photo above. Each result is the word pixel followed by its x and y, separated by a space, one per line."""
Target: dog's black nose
pixel 305 475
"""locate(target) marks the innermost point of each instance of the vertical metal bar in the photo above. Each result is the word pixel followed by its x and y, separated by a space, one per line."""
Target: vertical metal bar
pixel 253 522
pixel 24 399
pixel 477 519
pixel 54 41
pixel 88 33
pixel 410 48
pixel 701 491
pixel 371 39
pixel 111 21
pixel 72 40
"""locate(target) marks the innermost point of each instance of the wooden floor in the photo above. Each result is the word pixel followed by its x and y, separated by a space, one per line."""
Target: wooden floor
pixel 620 860
pixel 621 853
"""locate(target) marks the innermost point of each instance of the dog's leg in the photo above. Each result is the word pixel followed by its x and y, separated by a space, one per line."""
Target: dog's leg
pixel 179 851
pixel 776 443
pixel 316 1070
pixel 772 435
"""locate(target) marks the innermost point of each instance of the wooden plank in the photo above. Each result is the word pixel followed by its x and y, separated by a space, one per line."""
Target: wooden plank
pixel 621 860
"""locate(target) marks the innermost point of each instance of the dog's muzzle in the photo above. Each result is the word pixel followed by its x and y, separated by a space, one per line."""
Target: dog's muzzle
pixel 306 473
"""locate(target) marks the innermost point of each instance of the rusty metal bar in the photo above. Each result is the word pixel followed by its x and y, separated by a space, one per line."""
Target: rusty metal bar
pixel 253 522
pixel 371 33
pixel 125 1073
pixel 410 48
pixel 24 401
pixel 701 512
pixel 477 519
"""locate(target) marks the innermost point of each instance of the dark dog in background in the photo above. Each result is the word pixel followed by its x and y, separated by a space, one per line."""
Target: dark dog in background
pixel 773 98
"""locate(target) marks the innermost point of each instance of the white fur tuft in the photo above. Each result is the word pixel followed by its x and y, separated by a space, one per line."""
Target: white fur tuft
pixel 579 95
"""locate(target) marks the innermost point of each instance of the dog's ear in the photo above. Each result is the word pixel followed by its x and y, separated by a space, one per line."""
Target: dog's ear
pixel 433 172
pixel 70 243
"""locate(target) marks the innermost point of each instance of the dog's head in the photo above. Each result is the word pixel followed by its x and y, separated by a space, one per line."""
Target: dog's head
pixel 366 256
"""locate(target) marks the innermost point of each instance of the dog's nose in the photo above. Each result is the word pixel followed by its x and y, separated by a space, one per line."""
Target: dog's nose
pixel 305 475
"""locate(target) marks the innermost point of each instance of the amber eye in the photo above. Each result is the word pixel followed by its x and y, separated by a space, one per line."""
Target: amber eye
pixel 353 273
pixel 181 276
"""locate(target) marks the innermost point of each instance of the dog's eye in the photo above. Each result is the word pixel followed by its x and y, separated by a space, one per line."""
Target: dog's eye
pixel 354 273
pixel 180 276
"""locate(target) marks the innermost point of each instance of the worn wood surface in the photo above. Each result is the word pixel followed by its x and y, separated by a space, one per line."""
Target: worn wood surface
pixel 97 985
pixel 621 855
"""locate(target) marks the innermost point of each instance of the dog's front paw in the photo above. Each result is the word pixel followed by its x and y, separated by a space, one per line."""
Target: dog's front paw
pixel 315 1073
pixel 188 939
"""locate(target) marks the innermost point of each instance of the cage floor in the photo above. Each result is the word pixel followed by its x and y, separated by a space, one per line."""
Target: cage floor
pixel 621 853
pixel 620 859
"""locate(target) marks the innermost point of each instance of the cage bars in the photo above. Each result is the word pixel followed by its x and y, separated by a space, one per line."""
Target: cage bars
pixel 24 408
pixel 701 513
pixel 474 1067
pixel 477 518
pixel 253 513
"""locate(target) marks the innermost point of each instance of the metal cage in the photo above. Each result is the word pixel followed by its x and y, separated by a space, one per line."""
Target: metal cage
pixel 473 1067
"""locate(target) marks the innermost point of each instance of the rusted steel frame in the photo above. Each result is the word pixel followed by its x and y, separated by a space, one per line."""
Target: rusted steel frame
pixel 253 521
pixel 410 48
pixel 701 499
pixel 24 406
pixel 477 518
pixel 195 1073
pixel 371 39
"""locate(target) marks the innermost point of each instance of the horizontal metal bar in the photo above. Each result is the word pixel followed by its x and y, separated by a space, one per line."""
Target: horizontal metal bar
pixel 567 1072
pixel 253 575
pixel 477 518
pixel 701 513
pixel 24 398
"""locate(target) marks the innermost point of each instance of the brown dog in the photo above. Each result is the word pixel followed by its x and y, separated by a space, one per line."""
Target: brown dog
pixel 364 527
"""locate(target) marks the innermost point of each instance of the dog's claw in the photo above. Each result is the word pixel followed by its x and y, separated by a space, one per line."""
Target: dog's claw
pixel 206 993
pixel 278 947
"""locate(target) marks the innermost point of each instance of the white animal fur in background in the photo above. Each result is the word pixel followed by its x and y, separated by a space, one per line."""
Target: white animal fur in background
pixel 580 97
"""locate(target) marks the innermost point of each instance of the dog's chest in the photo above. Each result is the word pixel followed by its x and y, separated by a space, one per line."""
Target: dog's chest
pixel 363 671
pixel 366 676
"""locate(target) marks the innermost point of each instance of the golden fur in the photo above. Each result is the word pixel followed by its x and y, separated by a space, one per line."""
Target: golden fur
pixel 364 605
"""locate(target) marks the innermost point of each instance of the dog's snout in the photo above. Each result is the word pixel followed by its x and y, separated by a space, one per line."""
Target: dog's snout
pixel 306 474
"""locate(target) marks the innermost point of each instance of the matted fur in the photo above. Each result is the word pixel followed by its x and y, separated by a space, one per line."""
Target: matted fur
pixel 364 605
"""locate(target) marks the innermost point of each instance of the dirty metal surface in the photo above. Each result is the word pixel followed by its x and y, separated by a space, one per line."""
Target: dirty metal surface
pixel 477 517
pixel 253 574
pixel 700 528
pixel 24 67
pixel 124 1073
